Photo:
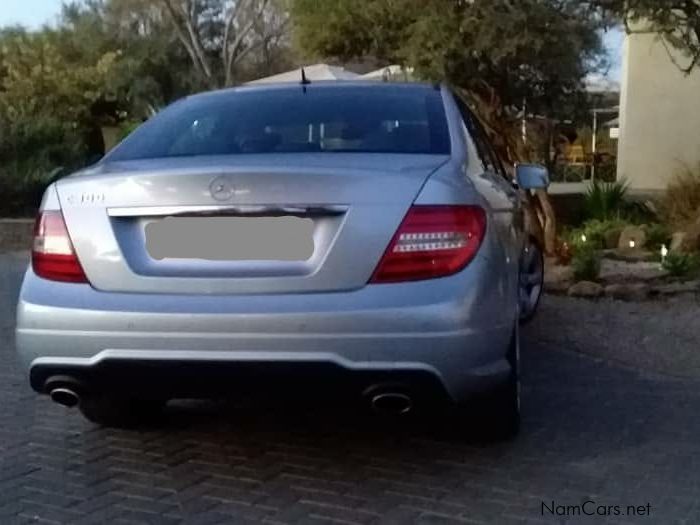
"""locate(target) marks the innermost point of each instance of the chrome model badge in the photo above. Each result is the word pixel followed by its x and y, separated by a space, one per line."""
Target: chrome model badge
pixel 221 188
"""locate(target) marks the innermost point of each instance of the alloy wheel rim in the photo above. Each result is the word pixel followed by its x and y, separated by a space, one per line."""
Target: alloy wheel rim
pixel 531 280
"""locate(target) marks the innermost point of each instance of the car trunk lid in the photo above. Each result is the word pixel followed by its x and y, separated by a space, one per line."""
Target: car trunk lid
pixel 336 213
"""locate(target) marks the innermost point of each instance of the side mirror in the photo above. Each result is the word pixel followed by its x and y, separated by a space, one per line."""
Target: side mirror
pixel 531 176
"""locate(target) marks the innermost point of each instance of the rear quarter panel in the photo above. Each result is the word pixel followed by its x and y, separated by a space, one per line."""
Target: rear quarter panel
pixel 464 181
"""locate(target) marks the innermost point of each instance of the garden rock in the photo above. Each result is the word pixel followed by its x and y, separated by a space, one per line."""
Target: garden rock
pixel 557 288
pixel 587 289
pixel 632 234
pixel 628 292
pixel 677 241
pixel 615 271
pixel 677 288
pixel 630 255
pixel 612 238
pixel 557 278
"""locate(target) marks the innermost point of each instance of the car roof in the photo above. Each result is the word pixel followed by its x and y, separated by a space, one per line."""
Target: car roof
pixel 319 84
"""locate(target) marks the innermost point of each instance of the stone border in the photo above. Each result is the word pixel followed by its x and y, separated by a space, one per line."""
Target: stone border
pixel 16 234
pixel 629 282
pixel 629 291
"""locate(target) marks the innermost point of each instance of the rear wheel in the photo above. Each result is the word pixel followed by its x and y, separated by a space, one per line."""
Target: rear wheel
pixel 118 412
pixel 531 280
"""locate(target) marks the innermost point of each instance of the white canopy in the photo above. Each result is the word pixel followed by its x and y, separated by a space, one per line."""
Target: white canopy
pixel 393 72
pixel 313 72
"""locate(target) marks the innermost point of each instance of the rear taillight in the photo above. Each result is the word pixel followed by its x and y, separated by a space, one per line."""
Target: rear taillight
pixel 432 241
pixel 53 256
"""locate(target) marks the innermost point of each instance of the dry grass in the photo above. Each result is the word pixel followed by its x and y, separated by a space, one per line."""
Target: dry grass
pixel 681 202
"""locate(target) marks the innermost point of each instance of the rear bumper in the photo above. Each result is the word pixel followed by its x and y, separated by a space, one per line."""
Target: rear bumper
pixel 446 336
pixel 213 375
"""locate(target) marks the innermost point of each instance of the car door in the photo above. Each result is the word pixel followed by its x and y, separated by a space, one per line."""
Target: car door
pixel 509 194
pixel 495 185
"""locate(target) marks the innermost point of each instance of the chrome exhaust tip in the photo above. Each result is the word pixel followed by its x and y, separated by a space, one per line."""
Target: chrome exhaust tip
pixel 64 396
pixel 392 403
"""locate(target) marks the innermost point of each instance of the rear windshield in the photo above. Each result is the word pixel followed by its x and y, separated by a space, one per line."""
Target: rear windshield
pixel 382 119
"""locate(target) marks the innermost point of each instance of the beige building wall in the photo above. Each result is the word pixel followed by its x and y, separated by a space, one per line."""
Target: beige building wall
pixel 659 115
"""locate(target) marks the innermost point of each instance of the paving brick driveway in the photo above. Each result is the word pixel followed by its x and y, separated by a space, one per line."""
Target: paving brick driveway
pixel 592 431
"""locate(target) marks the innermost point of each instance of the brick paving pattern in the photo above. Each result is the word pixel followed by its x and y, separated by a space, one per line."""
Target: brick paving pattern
pixel 591 431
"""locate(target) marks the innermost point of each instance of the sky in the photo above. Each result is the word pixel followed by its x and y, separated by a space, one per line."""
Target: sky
pixel 34 13
pixel 613 42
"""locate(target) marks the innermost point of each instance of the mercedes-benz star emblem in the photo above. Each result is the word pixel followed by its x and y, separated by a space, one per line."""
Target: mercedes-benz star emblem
pixel 221 188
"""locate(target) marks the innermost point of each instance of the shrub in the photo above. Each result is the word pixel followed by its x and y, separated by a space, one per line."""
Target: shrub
pixel 657 235
pixel 682 264
pixel 606 201
pixel 595 232
pixel 586 263
pixel 21 189
pixel 681 202
pixel 32 147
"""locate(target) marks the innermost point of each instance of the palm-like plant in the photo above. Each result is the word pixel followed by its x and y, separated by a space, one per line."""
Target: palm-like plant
pixel 605 200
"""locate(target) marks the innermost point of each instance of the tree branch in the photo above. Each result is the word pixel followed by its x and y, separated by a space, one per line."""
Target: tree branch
pixel 233 55
pixel 188 34
pixel 230 19
pixel 174 18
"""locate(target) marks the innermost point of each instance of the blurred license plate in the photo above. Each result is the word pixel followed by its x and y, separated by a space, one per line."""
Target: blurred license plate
pixel 231 238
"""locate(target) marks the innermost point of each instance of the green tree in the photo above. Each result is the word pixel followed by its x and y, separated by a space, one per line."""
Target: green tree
pixel 504 58
pixel 46 111
pixel 497 53
pixel 38 79
pixel 116 62
pixel 676 21
pixel 153 69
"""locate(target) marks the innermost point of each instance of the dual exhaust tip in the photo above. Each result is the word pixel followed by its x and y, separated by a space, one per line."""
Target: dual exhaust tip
pixel 391 403
pixel 64 396
pixel 388 403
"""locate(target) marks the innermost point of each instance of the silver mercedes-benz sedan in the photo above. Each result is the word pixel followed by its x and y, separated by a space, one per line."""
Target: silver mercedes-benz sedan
pixel 359 240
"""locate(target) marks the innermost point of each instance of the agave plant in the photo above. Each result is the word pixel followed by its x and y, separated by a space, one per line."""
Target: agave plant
pixel 605 200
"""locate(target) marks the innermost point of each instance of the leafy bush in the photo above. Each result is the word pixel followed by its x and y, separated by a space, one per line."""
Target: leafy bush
pixel 586 263
pixel 31 149
pixel 682 264
pixel 37 141
pixel 681 202
pixel 657 235
pixel 47 113
pixel 595 232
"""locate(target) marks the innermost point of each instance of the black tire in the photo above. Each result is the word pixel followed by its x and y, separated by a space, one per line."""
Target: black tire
pixel 536 264
pixel 120 412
